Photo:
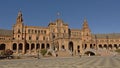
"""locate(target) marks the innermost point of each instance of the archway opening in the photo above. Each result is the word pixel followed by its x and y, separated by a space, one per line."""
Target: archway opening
pixel 100 46
pixel 14 46
pixel 2 47
pixel 48 46
pixel 115 45
pixel 63 47
pixel 78 47
pixel 85 46
pixel 71 46
pixel 27 46
pixel 91 46
pixel 43 46
pixel 20 46
pixel 37 46
pixel 89 53
pixel 105 46
pixel 32 46
pixel 110 46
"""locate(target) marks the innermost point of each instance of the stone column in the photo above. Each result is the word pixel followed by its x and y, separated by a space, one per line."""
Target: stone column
pixel 66 45
pixel 40 47
pixel 45 45
pixel 17 48
pixel 35 48
pixel 88 45
pixel 11 46
pixel 81 49
pixel 29 48
pixel 23 49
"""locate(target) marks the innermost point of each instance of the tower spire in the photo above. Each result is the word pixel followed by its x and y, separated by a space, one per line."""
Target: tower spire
pixel 85 24
pixel 19 17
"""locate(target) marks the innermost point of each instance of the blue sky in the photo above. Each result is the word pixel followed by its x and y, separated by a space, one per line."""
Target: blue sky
pixel 103 15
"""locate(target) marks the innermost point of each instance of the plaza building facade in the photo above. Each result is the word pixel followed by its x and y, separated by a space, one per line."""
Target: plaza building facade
pixel 58 37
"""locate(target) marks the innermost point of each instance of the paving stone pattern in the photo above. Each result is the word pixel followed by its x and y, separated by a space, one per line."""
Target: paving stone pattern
pixel 68 62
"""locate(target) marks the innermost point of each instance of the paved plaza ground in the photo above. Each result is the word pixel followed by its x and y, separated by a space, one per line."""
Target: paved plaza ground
pixel 64 62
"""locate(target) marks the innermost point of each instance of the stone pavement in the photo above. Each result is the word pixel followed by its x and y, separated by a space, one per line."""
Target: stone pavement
pixel 68 62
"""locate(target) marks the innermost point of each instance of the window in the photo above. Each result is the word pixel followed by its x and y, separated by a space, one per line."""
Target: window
pixel 43 38
pixel 28 30
pixel 45 31
pixel 35 31
pixel 18 30
pixel 18 36
pixel 87 34
pixel 32 31
pixel 37 38
pixel 42 31
pixel 38 31
pixel 29 37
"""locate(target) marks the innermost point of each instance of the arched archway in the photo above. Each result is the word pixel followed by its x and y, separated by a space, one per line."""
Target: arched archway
pixel 105 46
pixel 115 45
pixel 119 46
pixel 62 47
pixel 27 46
pixel 89 53
pixel 70 46
pixel 2 47
pixel 14 46
pixel 110 46
pixel 85 46
pixel 43 46
pixel 37 46
pixel 91 46
pixel 32 46
pixel 100 46
pixel 56 46
pixel 47 46
pixel 20 46
pixel 78 47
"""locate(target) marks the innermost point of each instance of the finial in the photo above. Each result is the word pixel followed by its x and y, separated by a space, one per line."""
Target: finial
pixel 20 13
pixel 85 19
pixel 58 14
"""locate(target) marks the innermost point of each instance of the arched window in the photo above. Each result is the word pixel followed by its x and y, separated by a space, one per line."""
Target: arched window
pixel 48 46
pixel 42 46
pixel 37 46
pixel 20 46
pixel 32 46
pixel 2 47
pixel 14 46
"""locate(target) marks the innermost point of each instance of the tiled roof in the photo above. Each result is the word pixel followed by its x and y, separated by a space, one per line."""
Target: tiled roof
pixel 104 36
pixel 4 32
